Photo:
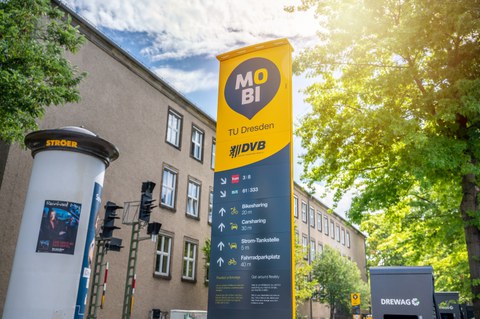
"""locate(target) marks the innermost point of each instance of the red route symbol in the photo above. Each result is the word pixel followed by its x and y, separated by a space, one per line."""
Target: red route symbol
pixel 235 179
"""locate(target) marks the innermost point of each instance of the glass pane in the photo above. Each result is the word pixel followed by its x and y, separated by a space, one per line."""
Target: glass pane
pixel 164 265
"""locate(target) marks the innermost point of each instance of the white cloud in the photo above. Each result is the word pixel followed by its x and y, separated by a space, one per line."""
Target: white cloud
pixel 188 81
pixel 200 27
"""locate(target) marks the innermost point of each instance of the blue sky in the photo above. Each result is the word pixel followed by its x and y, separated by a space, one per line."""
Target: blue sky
pixel 180 39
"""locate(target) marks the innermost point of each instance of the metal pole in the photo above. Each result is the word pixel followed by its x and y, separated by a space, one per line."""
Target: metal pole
pixel 97 269
pixel 132 264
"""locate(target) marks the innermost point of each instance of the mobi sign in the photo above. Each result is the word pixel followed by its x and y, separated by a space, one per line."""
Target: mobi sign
pixel 252 234
pixel 251 86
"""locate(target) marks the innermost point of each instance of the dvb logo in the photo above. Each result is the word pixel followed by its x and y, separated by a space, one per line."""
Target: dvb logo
pixel 235 150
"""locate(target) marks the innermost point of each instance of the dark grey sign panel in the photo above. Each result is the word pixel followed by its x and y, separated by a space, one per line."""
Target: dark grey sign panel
pixel 447 305
pixel 251 270
pixel 402 291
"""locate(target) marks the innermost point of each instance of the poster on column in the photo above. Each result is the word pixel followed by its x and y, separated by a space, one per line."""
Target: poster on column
pixel 88 254
pixel 251 272
pixel 59 226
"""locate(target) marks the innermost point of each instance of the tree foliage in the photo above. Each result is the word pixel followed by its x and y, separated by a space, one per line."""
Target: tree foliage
pixel 206 249
pixel 396 110
pixel 338 278
pixel 305 285
pixel 413 232
pixel 34 73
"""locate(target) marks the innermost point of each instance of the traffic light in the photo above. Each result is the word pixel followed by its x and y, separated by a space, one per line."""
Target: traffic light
pixel 109 220
pixel 114 244
pixel 155 314
pixel 153 228
pixel 146 201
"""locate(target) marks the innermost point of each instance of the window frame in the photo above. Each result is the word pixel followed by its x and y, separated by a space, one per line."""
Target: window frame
pixel 320 248
pixel 305 246
pixel 342 236
pixel 210 207
pixel 347 239
pixel 190 262
pixel 313 247
pixel 179 118
pixel 319 221
pixel 196 201
pixel 174 172
pixel 304 212
pixel 332 228
pixel 337 232
pixel 295 206
pixel 326 226
pixel 160 255
pixel 199 144
pixel 311 216
pixel 213 153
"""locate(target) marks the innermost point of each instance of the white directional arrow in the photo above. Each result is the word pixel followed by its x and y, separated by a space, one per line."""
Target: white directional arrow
pixel 221 245
pixel 223 194
pixel 220 261
pixel 223 181
pixel 222 211
pixel 221 227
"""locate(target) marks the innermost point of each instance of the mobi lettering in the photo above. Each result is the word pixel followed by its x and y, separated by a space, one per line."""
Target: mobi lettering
pixel 249 84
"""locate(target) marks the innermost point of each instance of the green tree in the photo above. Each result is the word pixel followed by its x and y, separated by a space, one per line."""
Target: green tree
pixel 414 233
pixel 206 249
pixel 338 278
pixel 396 109
pixel 305 285
pixel 34 73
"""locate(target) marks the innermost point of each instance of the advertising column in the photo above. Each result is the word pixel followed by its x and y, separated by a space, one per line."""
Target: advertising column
pixel 51 266
pixel 251 272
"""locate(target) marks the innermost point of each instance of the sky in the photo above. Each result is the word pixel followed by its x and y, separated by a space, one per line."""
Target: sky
pixel 179 41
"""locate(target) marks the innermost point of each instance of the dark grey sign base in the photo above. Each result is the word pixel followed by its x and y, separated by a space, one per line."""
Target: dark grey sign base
pixel 402 292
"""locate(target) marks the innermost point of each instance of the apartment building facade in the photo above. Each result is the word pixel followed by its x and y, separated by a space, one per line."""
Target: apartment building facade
pixel 164 138
pixel 317 227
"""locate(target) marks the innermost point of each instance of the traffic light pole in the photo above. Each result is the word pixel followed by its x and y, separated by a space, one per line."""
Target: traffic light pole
pixel 146 205
pixel 103 243
pixel 97 270
pixel 128 298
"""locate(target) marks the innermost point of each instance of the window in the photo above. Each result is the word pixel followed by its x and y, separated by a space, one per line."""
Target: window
pixel 169 184
pixel 337 233
pixel 342 237
pixel 214 147
pixel 297 236
pixel 295 206
pixel 305 246
pixel 320 248
pixel 325 225
pixel 174 128
pixel 193 198
pixel 196 150
pixel 319 222
pixel 210 206
pixel 304 212
pixel 207 272
pixel 348 239
pixel 189 260
pixel 164 252
pixel 332 229
pixel 311 213
pixel 312 249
